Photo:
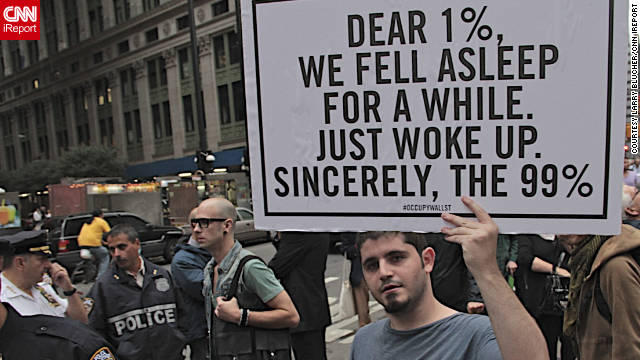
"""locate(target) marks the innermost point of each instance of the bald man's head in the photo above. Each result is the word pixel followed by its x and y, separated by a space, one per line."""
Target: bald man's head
pixel 192 214
pixel 221 206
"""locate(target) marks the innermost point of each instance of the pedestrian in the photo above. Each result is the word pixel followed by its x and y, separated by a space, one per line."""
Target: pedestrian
pixel 23 281
pixel 187 268
pixel 603 315
pixel 359 287
pixel 134 304
pixel 538 256
pixel 90 238
pixel 259 307
pixel 44 336
pixel 300 264
pixel 396 269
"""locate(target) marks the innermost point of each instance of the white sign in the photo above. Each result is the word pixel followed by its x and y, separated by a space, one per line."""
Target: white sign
pixel 379 115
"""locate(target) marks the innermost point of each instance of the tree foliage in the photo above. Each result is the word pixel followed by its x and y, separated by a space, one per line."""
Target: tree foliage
pixel 83 161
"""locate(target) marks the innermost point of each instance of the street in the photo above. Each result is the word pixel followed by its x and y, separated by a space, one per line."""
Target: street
pixel 339 335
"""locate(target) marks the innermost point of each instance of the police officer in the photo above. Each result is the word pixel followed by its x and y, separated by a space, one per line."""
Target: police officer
pixel 43 336
pixel 133 304
pixel 24 287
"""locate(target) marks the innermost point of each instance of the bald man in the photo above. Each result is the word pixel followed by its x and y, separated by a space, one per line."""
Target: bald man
pixel 260 302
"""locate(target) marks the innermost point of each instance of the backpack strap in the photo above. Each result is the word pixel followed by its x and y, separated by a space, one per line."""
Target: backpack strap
pixel 601 303
pixel 236 276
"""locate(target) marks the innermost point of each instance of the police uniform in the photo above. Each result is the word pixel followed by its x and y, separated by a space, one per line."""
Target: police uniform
pixel 43 300
pixel 139 321
pixel 50 338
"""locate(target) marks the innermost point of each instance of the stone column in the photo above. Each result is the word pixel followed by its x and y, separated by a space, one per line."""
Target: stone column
pixel 108 14
pixel 43 50
pixel 119 131
pixel 6 55
pixel 209 92
pixel 145 109
pixel 92 112
pixel 83 20
pixel 175 99
pixel 17 146
pixel 33 132
pixel 51 134
pixel 61 25
pixel 70 112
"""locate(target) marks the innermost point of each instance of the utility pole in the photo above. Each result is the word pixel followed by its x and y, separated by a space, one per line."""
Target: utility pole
pixel 196 80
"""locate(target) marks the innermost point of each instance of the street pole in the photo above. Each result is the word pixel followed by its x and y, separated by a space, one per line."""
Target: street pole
pixel 196 80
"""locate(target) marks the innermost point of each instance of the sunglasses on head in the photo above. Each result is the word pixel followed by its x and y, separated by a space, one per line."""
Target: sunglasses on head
pixel 204 222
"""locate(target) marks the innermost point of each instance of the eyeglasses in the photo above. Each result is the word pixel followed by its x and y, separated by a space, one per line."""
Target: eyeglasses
pixel 204 222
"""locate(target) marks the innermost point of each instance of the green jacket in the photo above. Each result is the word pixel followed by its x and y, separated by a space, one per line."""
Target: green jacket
pixel 507 250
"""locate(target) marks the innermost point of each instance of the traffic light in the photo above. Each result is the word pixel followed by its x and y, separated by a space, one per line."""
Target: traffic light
pixel 204 161
pixel 626 148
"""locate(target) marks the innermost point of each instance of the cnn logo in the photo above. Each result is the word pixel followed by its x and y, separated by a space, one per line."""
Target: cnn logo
pixel 20 20
pixel 20 13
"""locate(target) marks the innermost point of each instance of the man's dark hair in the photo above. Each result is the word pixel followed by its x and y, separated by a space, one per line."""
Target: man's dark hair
pixel 126 229
pixel 414 239
pixel 96 212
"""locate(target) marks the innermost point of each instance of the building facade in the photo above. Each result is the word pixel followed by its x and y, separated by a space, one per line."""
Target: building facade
pixel 118 73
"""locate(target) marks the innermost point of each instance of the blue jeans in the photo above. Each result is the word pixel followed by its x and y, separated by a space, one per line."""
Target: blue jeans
pixel 102 256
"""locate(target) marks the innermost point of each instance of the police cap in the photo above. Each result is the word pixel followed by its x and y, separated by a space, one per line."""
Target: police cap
pixel 29 242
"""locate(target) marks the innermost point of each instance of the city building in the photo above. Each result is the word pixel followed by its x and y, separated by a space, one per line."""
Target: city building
pixel 118 73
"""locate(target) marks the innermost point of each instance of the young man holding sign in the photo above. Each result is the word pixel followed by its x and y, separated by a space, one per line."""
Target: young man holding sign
pixel 397 272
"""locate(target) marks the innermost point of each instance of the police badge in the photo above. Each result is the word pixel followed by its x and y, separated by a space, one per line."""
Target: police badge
pixel 162 284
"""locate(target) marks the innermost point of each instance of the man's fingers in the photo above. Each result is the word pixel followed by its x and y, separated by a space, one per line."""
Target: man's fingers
pixel 457 231
pixel 458 239
pixel 460 221
pixel 480 213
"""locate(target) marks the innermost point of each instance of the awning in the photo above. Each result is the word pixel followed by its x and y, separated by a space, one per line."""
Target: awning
pixel 227 158
pixel 161 168
pixel 224 159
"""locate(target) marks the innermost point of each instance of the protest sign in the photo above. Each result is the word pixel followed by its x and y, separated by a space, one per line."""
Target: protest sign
pixel 379 115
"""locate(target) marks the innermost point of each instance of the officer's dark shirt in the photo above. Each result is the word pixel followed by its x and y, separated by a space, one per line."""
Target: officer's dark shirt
pixel 45 337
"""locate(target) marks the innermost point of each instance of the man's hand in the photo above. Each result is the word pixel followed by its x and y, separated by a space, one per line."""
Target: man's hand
pixel 60 277
pixel 511 267
pixel 474 307
pixel 477 238
pixel 228 311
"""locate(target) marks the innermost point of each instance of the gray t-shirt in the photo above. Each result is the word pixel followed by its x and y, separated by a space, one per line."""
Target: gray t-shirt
pixel 459 336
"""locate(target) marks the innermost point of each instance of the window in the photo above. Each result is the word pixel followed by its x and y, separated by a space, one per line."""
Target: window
pixel 182 22
pixel 156 72
pixel 125 86
pixel 17 91
pixel 157 121
pixel 75 67
pixel 220 7
pixel 34 52
pixel 17 61
pixel 123 10
pixel 183 59
pixel 36 83
pixel 151 35
pixel 39 114
pixel 123 47
pixel 48 20
pixel 128 125
pixel 166 110
pixel 150 4
pixel 26 151
pixel 43 146
pixel 10 152
pixel 238 101
pixel 235 48
pixel 97 57
pixel 187 106
pixel 218 50
pixel 106 131
pixel 223 99
pixel 138 124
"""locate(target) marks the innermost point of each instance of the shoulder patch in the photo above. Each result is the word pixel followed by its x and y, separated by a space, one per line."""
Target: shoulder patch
pixel 103 354
pixel 88 304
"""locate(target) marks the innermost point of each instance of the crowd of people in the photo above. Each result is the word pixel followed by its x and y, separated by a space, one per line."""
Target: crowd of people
pixel 446 295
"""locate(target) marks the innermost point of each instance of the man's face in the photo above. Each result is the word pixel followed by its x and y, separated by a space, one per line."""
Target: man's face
pixel 124 252
pixel 210 231
pixel 35 265
pixel 394 272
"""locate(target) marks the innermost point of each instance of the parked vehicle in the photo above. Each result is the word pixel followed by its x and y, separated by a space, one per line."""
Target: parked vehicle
pixel 154 240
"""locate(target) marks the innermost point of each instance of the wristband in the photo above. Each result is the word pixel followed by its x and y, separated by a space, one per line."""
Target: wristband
pixel 70 292
pixel 244 318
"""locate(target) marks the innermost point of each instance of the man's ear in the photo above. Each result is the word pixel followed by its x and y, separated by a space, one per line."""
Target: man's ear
pixel 429 259
pixel 19 262
pixel 631 212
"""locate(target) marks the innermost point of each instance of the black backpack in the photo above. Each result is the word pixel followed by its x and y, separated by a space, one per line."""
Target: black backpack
pixel 601 303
